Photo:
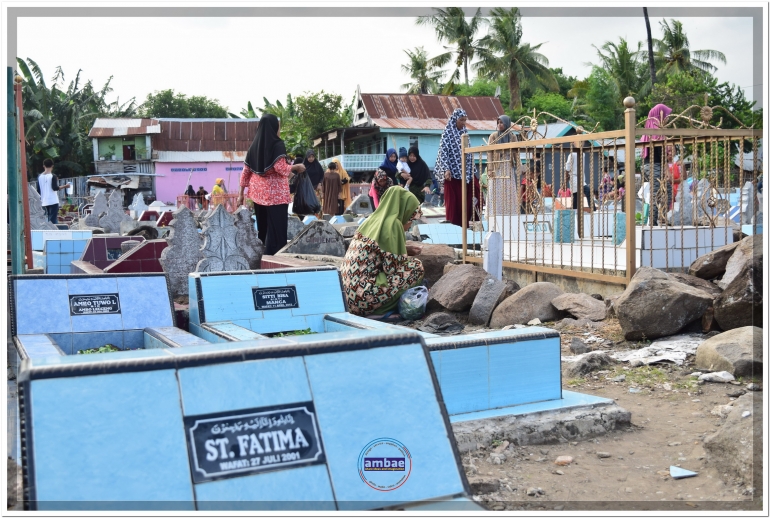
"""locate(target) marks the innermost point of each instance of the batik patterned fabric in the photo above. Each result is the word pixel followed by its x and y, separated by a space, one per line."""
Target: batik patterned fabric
pixel 363 262
pixel 449 151
pixel 270 188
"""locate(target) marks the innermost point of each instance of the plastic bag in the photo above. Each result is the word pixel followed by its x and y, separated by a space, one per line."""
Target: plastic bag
pixel 305 201
pixel 412 303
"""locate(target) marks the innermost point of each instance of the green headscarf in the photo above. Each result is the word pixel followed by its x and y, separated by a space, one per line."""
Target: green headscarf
pixel 386 224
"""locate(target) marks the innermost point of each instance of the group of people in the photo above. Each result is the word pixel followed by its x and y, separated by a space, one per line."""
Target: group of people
pixel 200 199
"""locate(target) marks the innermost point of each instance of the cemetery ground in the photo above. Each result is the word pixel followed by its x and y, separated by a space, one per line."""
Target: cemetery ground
pixel 671 415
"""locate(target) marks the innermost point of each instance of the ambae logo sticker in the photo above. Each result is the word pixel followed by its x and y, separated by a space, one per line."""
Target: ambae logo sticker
pixel 384 464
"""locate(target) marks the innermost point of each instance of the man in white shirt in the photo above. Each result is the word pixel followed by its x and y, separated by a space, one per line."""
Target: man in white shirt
pixel 48 187
pixel 572 167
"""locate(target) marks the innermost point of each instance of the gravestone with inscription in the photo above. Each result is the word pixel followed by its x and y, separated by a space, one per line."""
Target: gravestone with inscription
pixel 317 238
pixel 220 246
pixel 37 217
pixel 361 204
pixel 98 210
pixel 183 253
pixel 110 222
pixel 246 238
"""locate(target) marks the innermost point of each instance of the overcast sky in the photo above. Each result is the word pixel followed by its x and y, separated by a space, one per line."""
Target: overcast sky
pixel 236 60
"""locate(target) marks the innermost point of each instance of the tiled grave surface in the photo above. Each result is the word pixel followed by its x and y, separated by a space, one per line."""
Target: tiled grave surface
pixel 446 233
pixel 149 215
pixel 67 309
pixel 332 393
pixel 59 254
pixel 143 258
pixel 103 251
pixel 39 237
pixel 165 219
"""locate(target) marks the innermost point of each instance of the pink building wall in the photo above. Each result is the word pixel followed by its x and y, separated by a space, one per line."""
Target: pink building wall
pixel 173 181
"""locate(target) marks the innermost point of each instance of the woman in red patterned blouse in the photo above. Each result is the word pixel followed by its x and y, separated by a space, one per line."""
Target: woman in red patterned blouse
pixel 266 172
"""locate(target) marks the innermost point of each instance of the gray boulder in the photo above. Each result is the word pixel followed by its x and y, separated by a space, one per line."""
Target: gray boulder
pixel 294 227
pixel 580 305
pixel 433 259
pixel 731 450
pixel 696 282
pixel 740 304
pixel 744 254
pixel 457 289
pixel 593 361
pixel 492 292
pixel 738 351
pixel 712 264
pixel 655 305
pixel 441 324
pixel 532 301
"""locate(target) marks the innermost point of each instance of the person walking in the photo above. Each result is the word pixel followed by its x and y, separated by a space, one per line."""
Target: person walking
pixel 449 171
pixel 266 173
pixel 48 188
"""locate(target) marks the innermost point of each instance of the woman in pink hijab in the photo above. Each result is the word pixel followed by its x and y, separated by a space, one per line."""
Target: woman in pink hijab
pixel 655 120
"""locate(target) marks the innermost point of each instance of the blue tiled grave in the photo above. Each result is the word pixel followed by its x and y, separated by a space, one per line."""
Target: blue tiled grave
pixel 276 424
pixel 68 313
pixel 476 372
pixel 59 254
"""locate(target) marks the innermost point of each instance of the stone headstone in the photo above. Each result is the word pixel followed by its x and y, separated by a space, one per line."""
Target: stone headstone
pixel 183 253
pixel 246 238
pixel 98 210
pixel 493 255
pixel 295 226
pixel 317 238
pixel 37 218
pixel 110 222
pixel 487 299
pixel 137 205
pixel 747 202
pixel 361 204
pixel 347 230
pixel 220 245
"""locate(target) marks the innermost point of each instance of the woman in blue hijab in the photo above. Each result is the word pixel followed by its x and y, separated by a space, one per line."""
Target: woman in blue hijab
pixel 389 164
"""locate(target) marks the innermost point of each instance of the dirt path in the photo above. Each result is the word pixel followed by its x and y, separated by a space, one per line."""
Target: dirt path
pixel 671 415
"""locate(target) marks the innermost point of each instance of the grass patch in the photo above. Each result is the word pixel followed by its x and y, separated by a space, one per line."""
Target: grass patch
pixel 292 333
pixel 690 385
pixel 109 348
pixel 576 382
pixel 646 376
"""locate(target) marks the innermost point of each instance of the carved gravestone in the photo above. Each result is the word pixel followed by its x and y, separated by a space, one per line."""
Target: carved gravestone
pixel 747 203
pixel 295 226
pixel 137 205
pixel 246 238
pixel 110 222
pixel 183 253
pixel 361 204
pixel 317 238
pixel 98 210
pixel 37 219
pixel 220 246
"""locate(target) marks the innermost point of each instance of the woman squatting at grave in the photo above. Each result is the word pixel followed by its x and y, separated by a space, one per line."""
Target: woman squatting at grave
pixel 266 173
pixel 449 171
pixel 377 268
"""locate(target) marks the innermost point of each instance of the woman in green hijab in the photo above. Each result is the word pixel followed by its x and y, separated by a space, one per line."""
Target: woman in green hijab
pixel 377 268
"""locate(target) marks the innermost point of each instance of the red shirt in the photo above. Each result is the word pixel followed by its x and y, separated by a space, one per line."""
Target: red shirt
pixel 675 175
pixel 271 188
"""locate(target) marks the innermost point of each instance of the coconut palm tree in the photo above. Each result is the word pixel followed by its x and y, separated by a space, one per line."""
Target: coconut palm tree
pixel 623 65
pixel 502 54
pixel 649 47
pixel 453 28
pixel 425 73
pixel 672 53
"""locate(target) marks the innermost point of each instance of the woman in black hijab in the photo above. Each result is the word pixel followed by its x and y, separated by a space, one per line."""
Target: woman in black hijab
pixel 420 172
pixel 266 173
pixel 313 168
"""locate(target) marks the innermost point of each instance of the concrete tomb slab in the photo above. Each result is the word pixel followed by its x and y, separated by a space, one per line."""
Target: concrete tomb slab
pixel 317 238
pixel 144 257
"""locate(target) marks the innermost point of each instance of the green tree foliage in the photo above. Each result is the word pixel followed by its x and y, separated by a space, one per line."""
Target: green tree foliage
pixel 167 103
pixel 483 87
pixel 454 28
pixel 57 119
pixel 599 101
pixel 425 73
pixel 502 54
pixel 565 82
pixel 550 102
pixel 624 66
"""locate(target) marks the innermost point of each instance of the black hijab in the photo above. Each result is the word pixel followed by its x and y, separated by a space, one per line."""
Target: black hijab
pixel 267 147
pixel 419 169
pixel 190 191
pixel 313 170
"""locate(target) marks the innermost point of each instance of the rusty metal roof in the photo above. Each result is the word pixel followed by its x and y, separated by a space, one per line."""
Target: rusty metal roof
pixel 202 135
pixel 103 128
pixel 410 109
pixel 432 124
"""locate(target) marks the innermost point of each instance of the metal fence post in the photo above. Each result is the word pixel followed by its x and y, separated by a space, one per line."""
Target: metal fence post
pixel 630 139
pixel 14 186
pixel 464 195
pixel 26 227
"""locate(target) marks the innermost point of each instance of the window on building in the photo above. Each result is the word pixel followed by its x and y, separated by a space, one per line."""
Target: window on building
pixel 413 141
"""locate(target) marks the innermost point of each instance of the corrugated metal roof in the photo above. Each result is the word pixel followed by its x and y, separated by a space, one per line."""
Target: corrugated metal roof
pixel 406 106
pixel 431 124
pixel 121 127
pixel 201 156
pixel 205 135
pixel 179 119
